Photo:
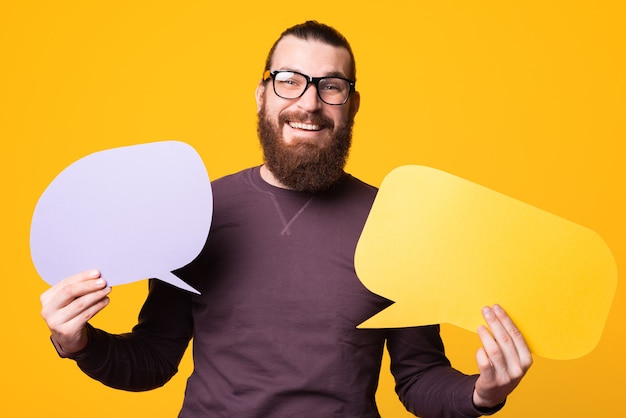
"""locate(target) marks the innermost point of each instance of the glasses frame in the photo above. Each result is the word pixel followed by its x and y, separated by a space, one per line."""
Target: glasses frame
pixel 309 80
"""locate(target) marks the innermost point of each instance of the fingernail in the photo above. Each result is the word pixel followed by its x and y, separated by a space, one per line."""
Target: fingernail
pixel 497 308
pixel 487 312
pixel 94 273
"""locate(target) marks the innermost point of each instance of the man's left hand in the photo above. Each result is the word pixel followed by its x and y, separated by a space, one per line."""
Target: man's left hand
pixel 503 360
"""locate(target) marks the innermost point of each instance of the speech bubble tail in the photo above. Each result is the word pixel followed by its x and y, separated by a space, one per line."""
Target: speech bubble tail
pixel 176 281
pixel 392 317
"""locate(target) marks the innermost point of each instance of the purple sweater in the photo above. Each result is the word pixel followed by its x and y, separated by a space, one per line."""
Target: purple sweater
pixel 274 330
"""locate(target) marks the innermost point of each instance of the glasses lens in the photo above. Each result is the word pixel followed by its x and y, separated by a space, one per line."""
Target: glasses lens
pixel 333 90
pixel 289 85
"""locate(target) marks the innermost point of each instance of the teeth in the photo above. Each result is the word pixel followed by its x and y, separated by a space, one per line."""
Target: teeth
pixel 305 126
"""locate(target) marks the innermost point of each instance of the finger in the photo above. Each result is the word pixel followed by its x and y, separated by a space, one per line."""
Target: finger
pixel 85 306
pixel 516 336
pixel 504 354
pixel 54 291
pixel 504 331
pixel 491 349
pixel 72 287
pixel 81 317
pixel 79 277
pixel 496 343
pixel 71 296
pixel 485 366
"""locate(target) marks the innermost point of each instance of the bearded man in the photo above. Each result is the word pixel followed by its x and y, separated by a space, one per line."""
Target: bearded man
pixel 274 327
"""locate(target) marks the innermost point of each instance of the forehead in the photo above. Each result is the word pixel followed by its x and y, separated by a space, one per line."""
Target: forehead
pixel 311 57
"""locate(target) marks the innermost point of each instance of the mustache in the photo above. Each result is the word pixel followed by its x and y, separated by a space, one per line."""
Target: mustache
pixel 313 118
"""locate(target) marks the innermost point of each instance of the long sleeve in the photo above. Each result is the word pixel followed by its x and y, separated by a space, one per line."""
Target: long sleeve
pixel 147 357
pixel 425 382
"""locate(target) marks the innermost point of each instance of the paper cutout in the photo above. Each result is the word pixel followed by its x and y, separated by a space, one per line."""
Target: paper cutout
pixel 134 212
pixel 442 247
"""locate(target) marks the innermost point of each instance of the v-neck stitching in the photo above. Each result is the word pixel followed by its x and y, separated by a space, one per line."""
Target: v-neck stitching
pixel 275 194
pixel 281 214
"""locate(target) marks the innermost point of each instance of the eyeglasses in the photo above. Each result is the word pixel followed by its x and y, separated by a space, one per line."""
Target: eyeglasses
pixel 292 85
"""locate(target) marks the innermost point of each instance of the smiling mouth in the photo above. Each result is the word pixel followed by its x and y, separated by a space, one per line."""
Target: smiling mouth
pixel 305 126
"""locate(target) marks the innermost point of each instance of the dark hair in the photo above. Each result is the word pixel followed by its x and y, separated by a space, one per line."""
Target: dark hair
pixel 313 30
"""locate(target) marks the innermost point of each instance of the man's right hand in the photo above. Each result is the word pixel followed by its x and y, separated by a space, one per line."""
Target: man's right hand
pixel 68 305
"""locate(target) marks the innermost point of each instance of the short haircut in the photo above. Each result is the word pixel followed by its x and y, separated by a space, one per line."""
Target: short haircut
pixel 313 30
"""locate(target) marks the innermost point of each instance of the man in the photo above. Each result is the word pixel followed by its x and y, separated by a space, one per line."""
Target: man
pixel 275 326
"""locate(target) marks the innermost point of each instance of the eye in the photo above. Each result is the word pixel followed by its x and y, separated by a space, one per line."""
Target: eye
pixel 333 85
pixel 289 80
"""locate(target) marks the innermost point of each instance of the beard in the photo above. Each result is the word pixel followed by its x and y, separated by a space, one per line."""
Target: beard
pixel 303 166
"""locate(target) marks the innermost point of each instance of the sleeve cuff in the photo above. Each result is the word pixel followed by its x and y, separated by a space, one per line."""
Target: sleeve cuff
pixel 64 354
pixel 465 402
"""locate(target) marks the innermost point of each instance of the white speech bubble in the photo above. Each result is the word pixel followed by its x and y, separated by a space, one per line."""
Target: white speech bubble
pixel 134 212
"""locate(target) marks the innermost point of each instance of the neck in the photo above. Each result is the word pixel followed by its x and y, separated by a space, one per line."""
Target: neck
pixel 268 177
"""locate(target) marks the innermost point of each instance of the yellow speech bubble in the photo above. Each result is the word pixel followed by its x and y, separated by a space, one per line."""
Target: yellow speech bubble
pixel 441 247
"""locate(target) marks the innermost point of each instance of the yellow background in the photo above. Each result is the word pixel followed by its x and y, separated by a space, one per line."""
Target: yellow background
pixel 525 97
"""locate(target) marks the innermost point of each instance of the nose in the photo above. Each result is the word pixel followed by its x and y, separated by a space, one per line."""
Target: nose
pixel 310 101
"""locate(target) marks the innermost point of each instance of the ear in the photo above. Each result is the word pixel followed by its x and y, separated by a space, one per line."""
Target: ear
pixel 259 93
pixel 355 103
